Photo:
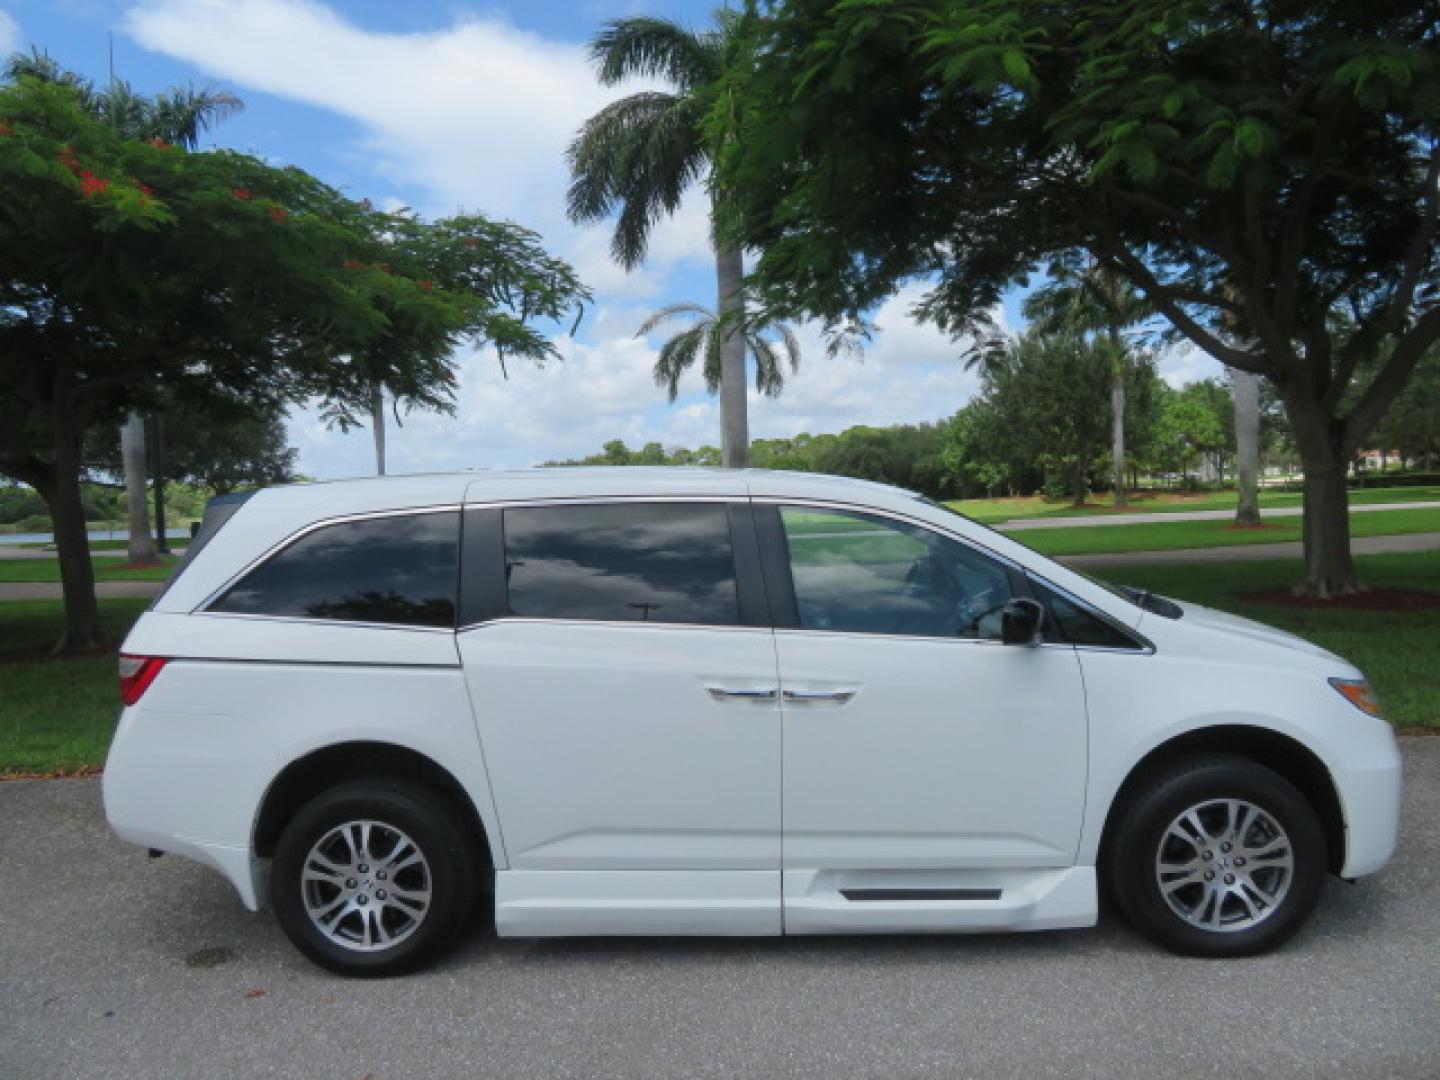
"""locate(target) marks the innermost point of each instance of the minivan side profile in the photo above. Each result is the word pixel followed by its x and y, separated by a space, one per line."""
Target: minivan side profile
pixel 720 702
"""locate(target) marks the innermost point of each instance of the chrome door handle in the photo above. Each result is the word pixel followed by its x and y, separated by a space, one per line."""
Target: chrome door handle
pixel 727 693
pixel 839 697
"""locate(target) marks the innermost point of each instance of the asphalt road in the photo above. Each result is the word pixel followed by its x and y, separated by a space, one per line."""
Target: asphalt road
pixel 114 966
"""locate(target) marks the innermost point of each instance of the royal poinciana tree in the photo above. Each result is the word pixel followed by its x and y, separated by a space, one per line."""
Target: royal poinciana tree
pixel 135 274
pixel 1262 172
pixel 511 295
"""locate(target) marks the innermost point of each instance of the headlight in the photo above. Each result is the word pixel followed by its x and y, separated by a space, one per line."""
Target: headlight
pixel 1359 694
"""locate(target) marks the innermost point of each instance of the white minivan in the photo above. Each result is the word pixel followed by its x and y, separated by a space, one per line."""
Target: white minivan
pixel 673 701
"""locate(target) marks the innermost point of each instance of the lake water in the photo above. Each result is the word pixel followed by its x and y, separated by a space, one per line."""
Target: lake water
pixel 99 534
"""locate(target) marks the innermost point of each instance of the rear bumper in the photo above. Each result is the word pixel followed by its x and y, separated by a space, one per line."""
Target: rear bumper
pixel 170 784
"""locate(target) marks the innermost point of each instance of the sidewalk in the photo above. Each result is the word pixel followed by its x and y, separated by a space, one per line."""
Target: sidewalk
pixel 1361 545
pixel 1088 520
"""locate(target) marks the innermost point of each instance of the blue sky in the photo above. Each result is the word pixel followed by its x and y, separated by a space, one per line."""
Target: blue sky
pixel 448 106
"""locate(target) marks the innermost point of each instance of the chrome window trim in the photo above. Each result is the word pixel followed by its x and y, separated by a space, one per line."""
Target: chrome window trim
pixel 274 549
pixel 625 624
pixel 311 620
pixel 1144 646
pixel 598 500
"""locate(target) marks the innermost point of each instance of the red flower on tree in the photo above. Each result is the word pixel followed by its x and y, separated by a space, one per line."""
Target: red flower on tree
pixel 90 184
pixel 240 193
pixel 158 143
pixel 147 189
pixel 66 157
pixel 425 284
pixel 5 128
pixel 278 213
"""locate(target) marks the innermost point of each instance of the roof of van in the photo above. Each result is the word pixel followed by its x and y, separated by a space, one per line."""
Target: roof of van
pixel 394 492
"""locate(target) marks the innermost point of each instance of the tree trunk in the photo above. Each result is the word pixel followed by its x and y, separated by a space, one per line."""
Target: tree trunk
pixel 1079 489
pixel 154 433
pixel 1117 411
pixel 61 493
pixel 1329 569
pixel 1245 388
pixel 377 425
pixel 734 425
pixel 141 545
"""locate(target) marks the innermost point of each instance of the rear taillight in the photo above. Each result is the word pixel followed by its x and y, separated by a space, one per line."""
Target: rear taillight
pixel 136 675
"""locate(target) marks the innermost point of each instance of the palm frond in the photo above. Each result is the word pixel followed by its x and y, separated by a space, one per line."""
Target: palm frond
pixel 651 47
pixel 769 375
pixel 673 311
pixel 181 116
pixel 639 153
pixel 677 356
pixel 714 366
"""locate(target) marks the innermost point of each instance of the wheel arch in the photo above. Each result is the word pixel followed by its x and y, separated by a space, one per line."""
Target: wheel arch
pixel 327 766
pixel 1275 750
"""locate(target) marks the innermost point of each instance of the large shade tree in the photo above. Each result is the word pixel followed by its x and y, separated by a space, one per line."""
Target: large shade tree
pixel 640 154
pixel 135 273
pixel 179 115
pixel 1256 170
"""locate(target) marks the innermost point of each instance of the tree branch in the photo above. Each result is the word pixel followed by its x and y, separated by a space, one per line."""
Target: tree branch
pixel 1386 386
pixel 1167 301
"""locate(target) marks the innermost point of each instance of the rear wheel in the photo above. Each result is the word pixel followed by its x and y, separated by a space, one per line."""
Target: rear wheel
pixel 374 877
pixel 1217 857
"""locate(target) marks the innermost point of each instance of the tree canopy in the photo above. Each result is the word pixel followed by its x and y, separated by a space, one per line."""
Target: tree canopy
pixel 1256 170
pixel 135 273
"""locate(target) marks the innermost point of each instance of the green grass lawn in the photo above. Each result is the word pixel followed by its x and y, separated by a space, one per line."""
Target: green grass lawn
pixel 990 511
pixel 56 714
pixel 105 570
pixel 1172 535
pixel 60 714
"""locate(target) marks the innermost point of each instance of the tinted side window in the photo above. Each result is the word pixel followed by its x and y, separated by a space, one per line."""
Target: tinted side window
pixel 1076 626
pixel 633 562
pixel 399 569
pixel 866 574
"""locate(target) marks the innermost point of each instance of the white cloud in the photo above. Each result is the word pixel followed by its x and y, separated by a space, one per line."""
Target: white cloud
pixel 604 389
pixel 10 39
pixel 1186 364
pixel 477 114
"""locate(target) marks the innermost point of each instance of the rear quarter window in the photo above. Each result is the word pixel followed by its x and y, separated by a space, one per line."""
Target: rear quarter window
pixel 398 569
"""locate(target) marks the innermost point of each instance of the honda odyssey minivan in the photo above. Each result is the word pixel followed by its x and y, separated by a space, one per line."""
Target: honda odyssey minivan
pixel 671 701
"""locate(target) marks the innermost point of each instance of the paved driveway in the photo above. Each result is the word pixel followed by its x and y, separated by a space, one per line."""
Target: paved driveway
pixel 114 966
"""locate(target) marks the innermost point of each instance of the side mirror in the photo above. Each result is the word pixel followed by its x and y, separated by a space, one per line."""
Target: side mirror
pixel 1020 622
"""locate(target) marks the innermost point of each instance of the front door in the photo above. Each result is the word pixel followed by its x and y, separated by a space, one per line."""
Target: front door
pixel 921 756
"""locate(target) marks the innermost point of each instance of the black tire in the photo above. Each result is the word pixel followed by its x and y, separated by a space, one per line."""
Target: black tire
pixel 449 871
pixel 1130 861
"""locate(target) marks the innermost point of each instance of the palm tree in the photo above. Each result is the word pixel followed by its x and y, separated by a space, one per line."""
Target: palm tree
pixel 640 154
pixel 1095 301
pixel 179 115
pixel 707 336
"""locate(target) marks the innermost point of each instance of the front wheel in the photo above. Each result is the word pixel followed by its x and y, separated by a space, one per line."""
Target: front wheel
pixel 373 877
pixel 1217 857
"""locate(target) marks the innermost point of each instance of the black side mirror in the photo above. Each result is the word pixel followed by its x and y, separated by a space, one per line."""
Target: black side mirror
pixel 1020 622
